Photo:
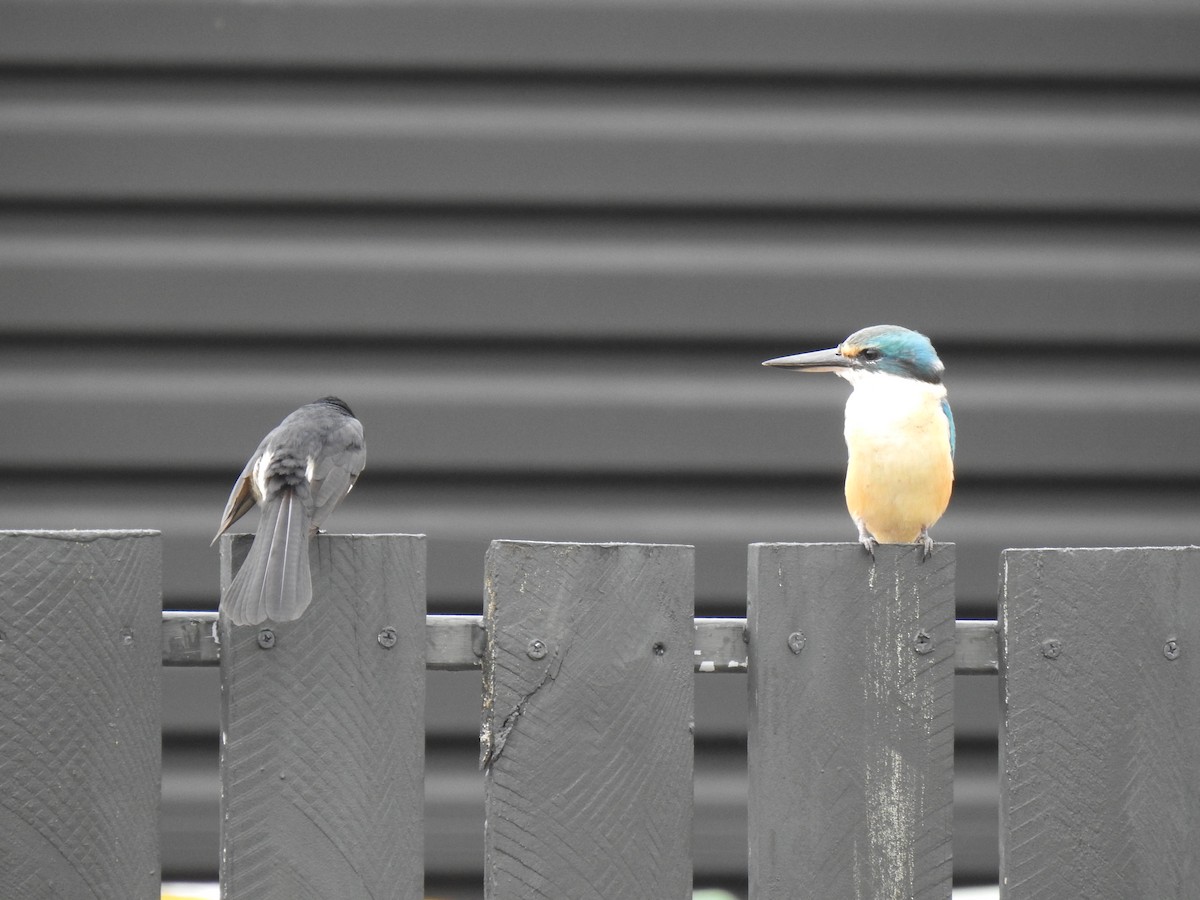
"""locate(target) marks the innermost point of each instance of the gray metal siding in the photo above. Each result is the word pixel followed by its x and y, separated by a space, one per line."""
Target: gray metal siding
pixel 541 250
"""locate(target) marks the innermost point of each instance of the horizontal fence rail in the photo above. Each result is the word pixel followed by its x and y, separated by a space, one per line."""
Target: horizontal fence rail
pixel 456 643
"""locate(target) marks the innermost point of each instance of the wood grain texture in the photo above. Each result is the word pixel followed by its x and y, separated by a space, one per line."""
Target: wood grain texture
pixel 80 683
pixel 1100 741
pixel 851 738
pixel 914 37
pixel 322 748
pixel 588 748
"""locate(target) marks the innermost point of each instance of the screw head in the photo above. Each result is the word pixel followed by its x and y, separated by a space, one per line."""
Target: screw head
pixel 796 641
pixel 536 649
pixel 1051 648
pixel 922 643
pixel 1171 649
pixel 266 638
pixel 387 638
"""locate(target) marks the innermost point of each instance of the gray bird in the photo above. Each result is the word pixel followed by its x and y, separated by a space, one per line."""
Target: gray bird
pixel 298 474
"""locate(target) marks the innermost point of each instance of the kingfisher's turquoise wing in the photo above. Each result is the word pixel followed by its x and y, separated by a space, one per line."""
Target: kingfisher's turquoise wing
pixel 950 419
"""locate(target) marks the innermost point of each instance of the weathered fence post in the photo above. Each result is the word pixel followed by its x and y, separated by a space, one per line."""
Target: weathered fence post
pixel 1100 741
pixel 851 722
pixel 80 695
pixel 587 721
pixel 322 730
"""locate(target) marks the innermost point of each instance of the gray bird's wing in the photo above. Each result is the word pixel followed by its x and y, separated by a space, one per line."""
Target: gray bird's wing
pixel 241 498
pixel 339 464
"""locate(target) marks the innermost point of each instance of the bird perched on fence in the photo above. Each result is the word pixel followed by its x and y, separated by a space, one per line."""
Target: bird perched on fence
pixel 899 432
pixel 298 474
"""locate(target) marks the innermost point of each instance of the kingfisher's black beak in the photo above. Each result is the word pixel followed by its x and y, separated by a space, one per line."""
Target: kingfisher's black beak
pixel 814 361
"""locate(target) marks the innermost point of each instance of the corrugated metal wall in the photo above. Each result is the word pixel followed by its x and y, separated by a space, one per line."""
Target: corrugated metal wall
pixel 542 247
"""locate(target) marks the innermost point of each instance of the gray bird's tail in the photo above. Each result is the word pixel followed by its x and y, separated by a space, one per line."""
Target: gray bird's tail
pixel 274 582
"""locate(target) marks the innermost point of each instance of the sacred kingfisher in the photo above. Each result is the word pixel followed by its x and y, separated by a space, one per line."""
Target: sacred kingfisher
pixel 899 432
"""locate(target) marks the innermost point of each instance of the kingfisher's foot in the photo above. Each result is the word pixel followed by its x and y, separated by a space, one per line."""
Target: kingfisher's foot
pixel 926 543
pixel 865 538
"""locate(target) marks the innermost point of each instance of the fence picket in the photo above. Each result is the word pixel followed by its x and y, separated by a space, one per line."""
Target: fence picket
pixel 80 683
pixel 1100 737
pixel 322 751
pixel 587 721
pixel 851 721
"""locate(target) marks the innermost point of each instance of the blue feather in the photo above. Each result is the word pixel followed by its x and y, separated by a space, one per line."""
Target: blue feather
pixel 900 351
pixel 950 420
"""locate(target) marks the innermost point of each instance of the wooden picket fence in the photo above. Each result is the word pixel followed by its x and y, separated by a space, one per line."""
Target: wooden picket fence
pixel 587 653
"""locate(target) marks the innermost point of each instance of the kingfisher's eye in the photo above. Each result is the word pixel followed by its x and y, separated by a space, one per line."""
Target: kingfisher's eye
pixel 869 354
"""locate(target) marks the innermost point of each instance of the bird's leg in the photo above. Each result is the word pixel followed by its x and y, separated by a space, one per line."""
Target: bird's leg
pixel 865 538
pixel 926 543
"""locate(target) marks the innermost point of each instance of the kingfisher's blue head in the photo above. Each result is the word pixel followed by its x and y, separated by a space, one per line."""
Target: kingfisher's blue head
pixel 887 349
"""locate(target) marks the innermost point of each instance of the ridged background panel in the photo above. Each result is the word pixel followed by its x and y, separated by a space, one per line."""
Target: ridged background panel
pixel 580 412
pixel 542 247
pixel 1103 38
pixel 525 142
pixel 664 278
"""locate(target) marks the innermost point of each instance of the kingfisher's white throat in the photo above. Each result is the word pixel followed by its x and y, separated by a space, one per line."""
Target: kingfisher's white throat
pixel 881 401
